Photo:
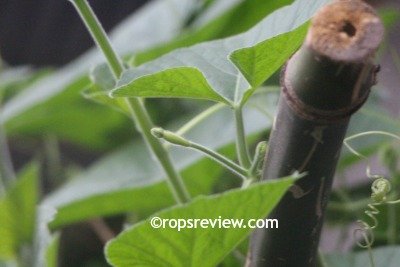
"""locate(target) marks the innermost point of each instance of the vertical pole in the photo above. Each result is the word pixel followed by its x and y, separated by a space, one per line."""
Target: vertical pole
pixel 323 84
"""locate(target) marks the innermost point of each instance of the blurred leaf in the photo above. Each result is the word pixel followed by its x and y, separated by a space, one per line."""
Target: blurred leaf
pixel 146 246
pixel 157 22
pixel 18 213
pixel 384 257
pixel 389 17
pixel 73 118
pixel 14 79
pixel 130 195
pixel 389 155
pixel 370 118
pixel 211 58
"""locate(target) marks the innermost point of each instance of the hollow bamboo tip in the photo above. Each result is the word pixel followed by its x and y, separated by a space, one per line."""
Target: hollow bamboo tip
pixel 346 30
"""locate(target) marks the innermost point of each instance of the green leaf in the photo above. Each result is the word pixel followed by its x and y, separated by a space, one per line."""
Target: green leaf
pixel 145 246
pixel 216 27
pixel 163 19
pixel 18 213
pixel 259 62
pixel 172 83
pixel 211 58
pixel 384 257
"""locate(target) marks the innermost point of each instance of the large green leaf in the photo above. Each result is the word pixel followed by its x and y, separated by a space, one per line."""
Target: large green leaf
pixel 143 245
pixel 172 83
pixel 384 257
pixel 18 213
pixel 161 21
pixel 211 58
pixel 262 60
pixel 209 26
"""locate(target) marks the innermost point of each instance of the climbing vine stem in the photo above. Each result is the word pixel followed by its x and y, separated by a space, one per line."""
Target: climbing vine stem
pixel 138 111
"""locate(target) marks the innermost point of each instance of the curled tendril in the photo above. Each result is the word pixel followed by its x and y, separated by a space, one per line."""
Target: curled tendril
pixel 380 189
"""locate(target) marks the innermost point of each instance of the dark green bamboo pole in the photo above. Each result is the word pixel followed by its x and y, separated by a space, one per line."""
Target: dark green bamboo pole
pixel 323 84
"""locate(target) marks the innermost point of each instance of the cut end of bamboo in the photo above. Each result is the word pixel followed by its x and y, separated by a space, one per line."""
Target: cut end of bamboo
pixel 346 30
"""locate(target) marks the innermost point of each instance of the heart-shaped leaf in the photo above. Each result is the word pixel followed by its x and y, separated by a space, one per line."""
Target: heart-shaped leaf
pixel 143 245
pixel 212 59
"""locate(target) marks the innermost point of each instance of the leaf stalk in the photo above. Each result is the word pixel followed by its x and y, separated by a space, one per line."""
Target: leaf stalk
pixel 241 143
pixel 180 141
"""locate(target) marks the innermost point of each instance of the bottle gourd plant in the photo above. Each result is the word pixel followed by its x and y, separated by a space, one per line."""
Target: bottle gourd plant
pixel 323 84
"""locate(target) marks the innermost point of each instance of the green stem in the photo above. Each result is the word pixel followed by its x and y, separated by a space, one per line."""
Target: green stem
pixel 136 107
pixel 99 36
pixel 178 140
pixel 241 144
pixel 7 174
pixel 221 159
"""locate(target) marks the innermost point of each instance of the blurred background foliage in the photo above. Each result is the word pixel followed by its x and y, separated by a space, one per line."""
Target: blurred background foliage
pixel 86 160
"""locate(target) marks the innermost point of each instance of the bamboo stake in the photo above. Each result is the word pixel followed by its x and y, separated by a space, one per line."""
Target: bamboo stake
pixel 323 84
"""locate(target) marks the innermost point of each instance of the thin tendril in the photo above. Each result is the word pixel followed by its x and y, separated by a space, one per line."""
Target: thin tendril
pixel 380 189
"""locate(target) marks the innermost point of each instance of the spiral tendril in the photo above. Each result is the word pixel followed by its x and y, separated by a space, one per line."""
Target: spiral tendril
pixel 380 189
